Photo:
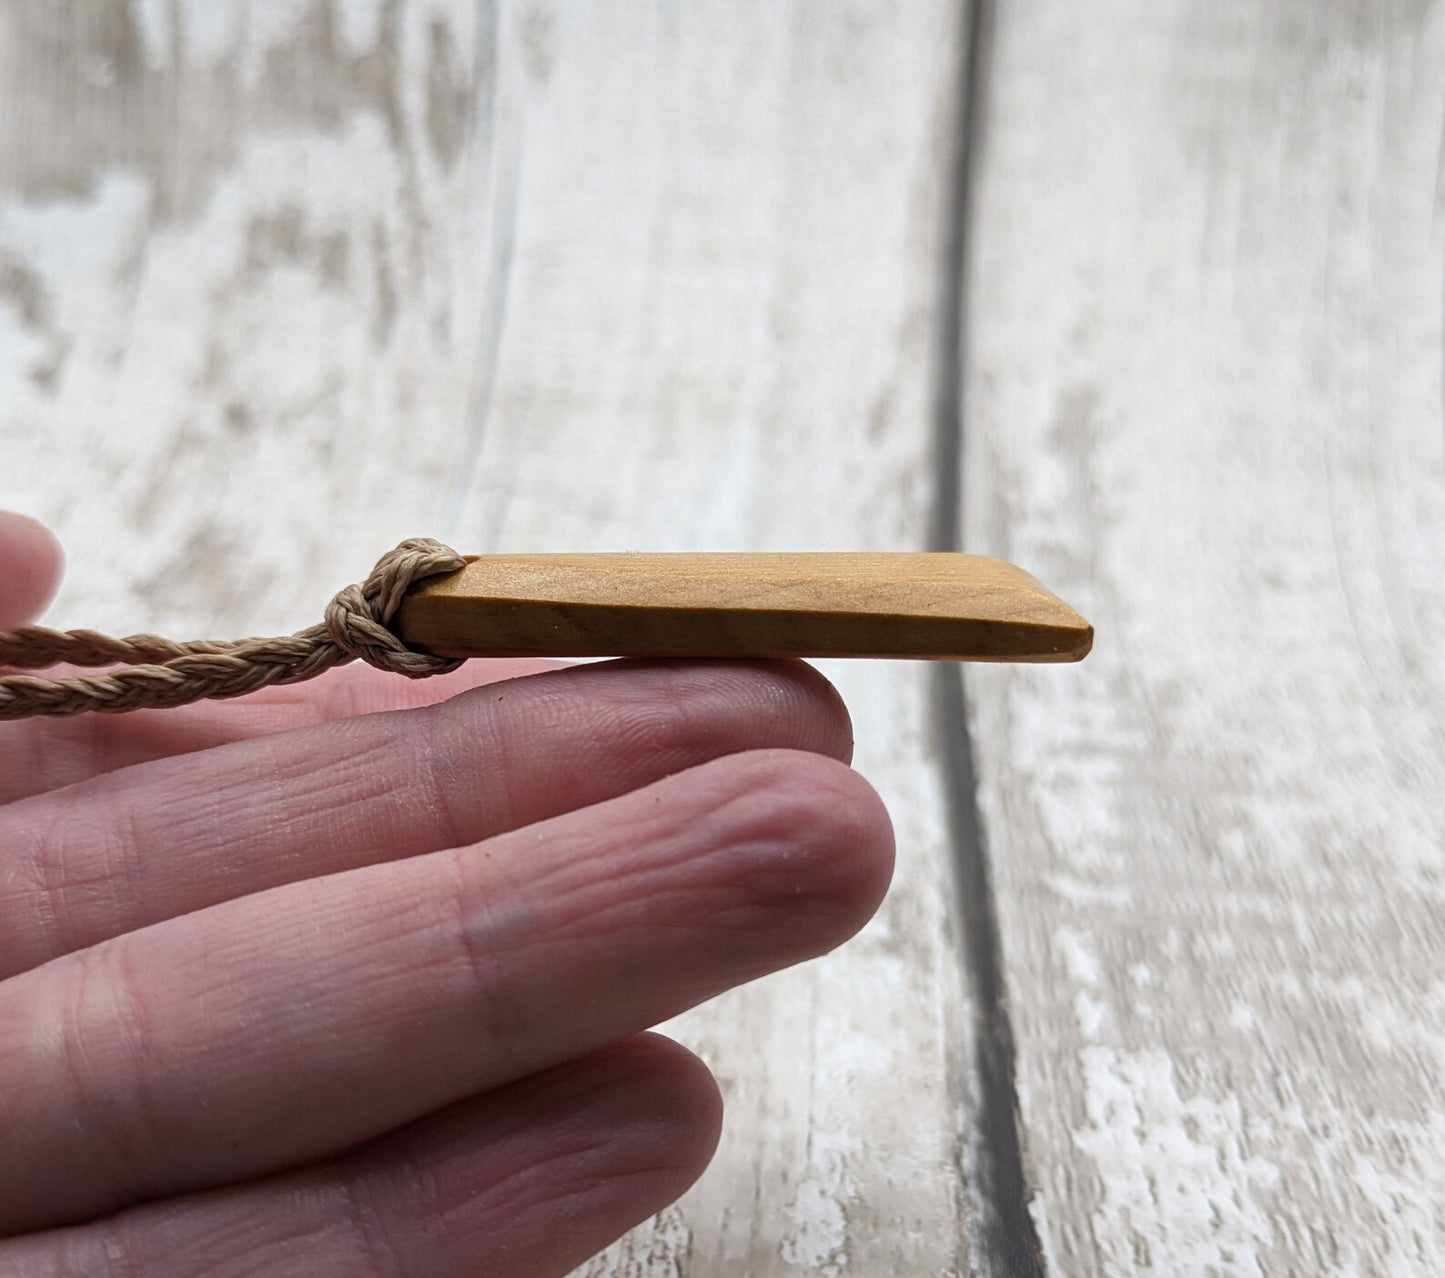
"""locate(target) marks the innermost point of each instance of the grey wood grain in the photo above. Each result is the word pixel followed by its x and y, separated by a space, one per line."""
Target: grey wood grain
pixel 1203 401
pixel 283 283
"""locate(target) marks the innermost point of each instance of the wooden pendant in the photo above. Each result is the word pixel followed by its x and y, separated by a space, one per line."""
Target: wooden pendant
pixel 941 606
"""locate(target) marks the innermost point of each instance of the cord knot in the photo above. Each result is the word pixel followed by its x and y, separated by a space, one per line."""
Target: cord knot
pixel 156 672
pixel 358 618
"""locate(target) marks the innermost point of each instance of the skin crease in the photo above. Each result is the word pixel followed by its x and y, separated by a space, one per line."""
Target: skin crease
pixel 354 977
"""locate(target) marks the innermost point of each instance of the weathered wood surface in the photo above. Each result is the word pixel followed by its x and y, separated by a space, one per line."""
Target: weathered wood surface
pixel 1204 404
pixel 281 283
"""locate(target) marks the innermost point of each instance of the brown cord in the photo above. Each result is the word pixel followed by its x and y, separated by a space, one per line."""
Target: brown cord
pixel 163 673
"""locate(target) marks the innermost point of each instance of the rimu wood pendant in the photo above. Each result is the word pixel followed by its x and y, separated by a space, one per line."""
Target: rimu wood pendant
pixel 939 606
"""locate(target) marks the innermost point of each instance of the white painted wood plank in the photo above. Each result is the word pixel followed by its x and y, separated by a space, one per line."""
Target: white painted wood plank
pixel 1204 403
pixel 719 336
pixel 530 276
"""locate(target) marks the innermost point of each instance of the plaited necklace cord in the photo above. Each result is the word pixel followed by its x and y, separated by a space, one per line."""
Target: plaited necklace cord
pixel 155 672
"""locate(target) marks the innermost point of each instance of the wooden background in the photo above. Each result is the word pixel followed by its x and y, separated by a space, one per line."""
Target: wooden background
pixel 1144 295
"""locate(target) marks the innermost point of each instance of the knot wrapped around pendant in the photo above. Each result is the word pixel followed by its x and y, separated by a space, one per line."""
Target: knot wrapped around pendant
pixel 159 672
pixel 358 618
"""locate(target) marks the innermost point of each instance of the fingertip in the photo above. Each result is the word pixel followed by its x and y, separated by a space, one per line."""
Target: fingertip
pixel 30 564
pixel 592 1148
pixel 876 843
pixel 842 836
pixel 766 702
pixel 836 723
pixel 671 1107
pixel 807 710
pixel 860 846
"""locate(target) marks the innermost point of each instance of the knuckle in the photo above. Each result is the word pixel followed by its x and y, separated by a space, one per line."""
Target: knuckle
pixel 107 1060
pixel 478 940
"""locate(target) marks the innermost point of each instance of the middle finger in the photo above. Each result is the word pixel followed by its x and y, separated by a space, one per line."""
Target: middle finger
pixel 288 1025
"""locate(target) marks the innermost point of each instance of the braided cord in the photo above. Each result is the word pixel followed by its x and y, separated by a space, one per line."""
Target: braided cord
pixel 157 672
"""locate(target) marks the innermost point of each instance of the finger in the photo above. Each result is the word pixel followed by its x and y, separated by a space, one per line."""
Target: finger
pixel 527 1181
pixel 29 568
pixel 45 754
pixel 160 840
pixel 287 1026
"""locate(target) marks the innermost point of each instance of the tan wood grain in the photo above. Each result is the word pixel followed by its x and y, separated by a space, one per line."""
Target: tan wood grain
pixel 1204 403
pixel 941 606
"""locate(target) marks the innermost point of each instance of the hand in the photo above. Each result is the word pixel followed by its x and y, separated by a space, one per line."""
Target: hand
pixel 287 987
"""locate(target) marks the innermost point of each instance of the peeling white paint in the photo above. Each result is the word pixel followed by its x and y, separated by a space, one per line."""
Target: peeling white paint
pixel 1181 1192
pixel 1410 1199
pixel 1080 961
pixel 1078 891
pixel 818 1241
pixel 1090 1013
